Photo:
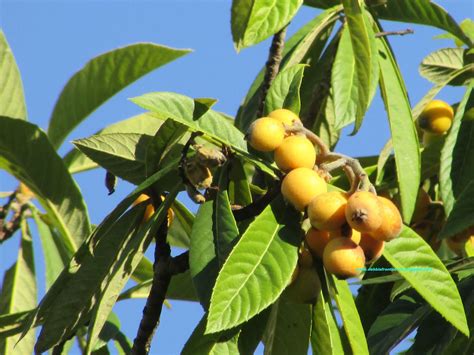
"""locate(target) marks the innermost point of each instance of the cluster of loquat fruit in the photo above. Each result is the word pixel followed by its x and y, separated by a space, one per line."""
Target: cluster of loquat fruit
pixel 348 229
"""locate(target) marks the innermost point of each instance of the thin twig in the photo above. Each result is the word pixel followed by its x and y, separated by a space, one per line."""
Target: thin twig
pixel 272 67
pixel 408 31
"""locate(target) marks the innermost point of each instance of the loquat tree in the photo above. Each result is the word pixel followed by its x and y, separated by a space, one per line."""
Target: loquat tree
pixel 285 224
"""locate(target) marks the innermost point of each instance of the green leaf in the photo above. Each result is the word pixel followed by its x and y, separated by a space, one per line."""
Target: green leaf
pixel 325 336
pixel 239 188
pixel 288 329
pixel 56 256
pixel 311 36
pixel 441 64
pixel 129 255
pixel 467 27
pixel 101 78
pixel 182 109
pixel 394 324
pixel 19 293
pixel 143 123
pixel 123 154
pixel 179 232
pixel 12 99
pixel 402 128
pixel 85 280
pixel 252 332
pixel 180 288
pixel 418 264
pixel 224 343
pixel 165 139
pixel 350 316
pixel 363 46
pixel 461 215
pixel 423 12
pixel 267 250
pixel 12 323
pixel 284 91
pixel 255 20
pixel 457 159
pixel 42 170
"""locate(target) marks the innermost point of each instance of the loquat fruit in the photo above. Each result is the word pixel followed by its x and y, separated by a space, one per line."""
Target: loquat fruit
pixel 266 134
pixel 285 116
pixel 305 259
pixel 372 248
pixel 150 209
pixel 457 243
pixel 301 185
pixel 436 117
pixel 295 152
pixel 327 211
pixel 316 241
pixel 345 231
pixel 343 258
pixel 305 288
pixel 391 224
pixel 363 211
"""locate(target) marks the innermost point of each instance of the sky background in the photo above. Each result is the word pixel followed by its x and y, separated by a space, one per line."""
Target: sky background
pixel 51 40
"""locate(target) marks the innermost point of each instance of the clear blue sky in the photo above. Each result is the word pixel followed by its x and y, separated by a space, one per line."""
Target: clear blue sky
pixel 53 39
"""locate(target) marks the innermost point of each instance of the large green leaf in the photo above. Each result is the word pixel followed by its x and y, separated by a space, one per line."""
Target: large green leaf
pixel 439 65
pixel 19 293
pixel 284 91
pixel 350 317
pixel 288 329
pixel 84 281
pixel 394 324
pixel 184 110
pixel 56 256
pixel 325 337
pixel 143 123
pixel 252 332
pixel 12 100
pixel 364 51
pixel 423 12
pixel 467 26
pixel 461 215
pixel 179 232
pixel 402 127
pixel 255 20
pixel 457 155
pixel 224 343
pixel 313 34
pixel 419 265
pixel 101 78
pixel 26 153
pixel 12 323
pixel 123 154
pixel 128 257
pixel 267 250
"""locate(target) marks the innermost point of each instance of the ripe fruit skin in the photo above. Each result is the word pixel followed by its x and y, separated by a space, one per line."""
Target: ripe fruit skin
pixel 437 117
pixel 285 116
pixel 327 211
pixel 295 152
pixel 343 258
pixel 150 210
pixel 317 241
pixel 372 248
pixel 363 211
pixel 149 207
pixel 266 134
pixel 392 221
pixel 301 185
pixel 346 232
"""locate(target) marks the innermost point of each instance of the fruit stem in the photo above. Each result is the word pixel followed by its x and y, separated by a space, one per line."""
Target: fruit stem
pixel 298 127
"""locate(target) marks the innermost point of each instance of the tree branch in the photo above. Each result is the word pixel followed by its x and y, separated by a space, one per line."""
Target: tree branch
pixel 272 67
pixel 408 31
pixel 256 207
